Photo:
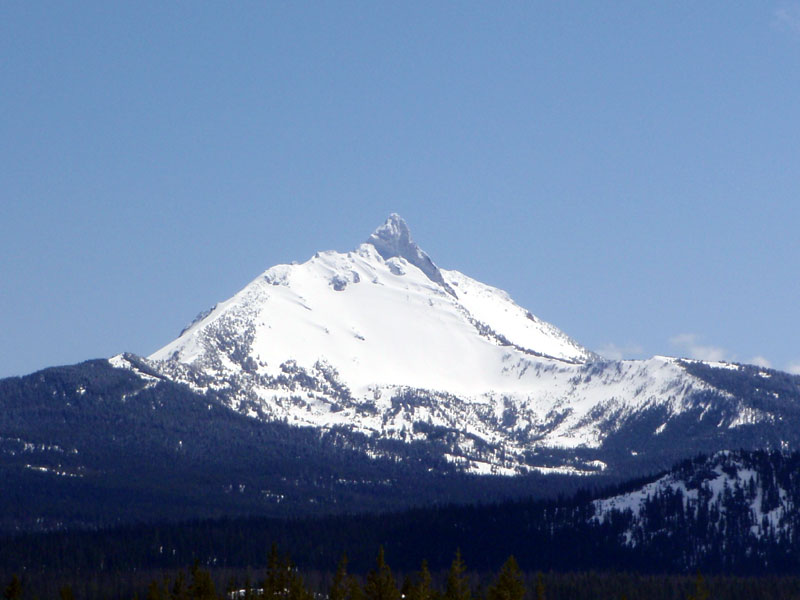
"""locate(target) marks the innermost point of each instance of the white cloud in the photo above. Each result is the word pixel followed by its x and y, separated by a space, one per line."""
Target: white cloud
pixel 615 352
pixel 788 17
pixel 760 361
pixel 689 343
pixel 794 368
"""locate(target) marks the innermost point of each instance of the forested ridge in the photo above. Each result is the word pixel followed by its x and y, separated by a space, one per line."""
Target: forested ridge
pixel 88 446
pixel 731 513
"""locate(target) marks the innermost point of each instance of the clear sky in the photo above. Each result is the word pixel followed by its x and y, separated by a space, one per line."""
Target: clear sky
pixel 629 171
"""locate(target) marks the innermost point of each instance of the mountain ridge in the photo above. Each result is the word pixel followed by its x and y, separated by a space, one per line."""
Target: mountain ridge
pixel 384 342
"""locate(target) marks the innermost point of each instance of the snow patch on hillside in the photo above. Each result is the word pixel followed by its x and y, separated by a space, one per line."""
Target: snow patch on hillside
pixel 725 477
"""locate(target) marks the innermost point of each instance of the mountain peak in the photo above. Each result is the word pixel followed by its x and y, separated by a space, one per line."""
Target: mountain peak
pixel 393 239
pixel 394 229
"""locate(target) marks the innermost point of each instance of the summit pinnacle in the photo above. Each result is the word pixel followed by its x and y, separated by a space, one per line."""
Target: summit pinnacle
pixel 393 239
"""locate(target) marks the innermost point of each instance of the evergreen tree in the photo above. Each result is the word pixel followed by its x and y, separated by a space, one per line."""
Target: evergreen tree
pixel 457 582
pixel 380 583
pixel 14 589
pixel 275 583
pixel 296 587
pixel 231 587
pixel 178 591
pixel 700 590
pixel 249 593
pixel 338 589
pixel 65 593
pixel 422 588
pixel 509 584
pixel 201 586
pixel 154 591
pixel 354 589
pixel 282 579
pixel 406 590
pixel 540 595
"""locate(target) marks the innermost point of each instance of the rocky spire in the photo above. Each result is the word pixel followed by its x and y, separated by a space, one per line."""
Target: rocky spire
pixel 393 238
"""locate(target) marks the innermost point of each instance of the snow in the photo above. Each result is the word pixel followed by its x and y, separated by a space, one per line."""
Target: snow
pixel 749 416
pixel 716 484
pixel 495 308
pixel 384 320
pixel 53 471
pixel 715 364
pixel 120 362
pixel 380 328
pixel 564 470
pixel 393 240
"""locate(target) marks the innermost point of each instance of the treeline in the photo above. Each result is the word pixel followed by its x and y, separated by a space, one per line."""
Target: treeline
pixel 282 580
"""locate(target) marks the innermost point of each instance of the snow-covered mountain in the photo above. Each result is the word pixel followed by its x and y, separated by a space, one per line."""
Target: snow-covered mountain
pixel 382 315
pixel 380 341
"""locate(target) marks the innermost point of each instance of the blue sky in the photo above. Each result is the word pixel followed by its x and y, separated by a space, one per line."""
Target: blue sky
pixel 627 171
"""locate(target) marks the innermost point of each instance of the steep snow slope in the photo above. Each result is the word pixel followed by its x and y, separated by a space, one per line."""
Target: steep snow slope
pixel 379 319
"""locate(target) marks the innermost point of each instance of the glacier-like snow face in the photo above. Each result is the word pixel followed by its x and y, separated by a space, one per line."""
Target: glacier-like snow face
pixel 380 321
pixel 381 341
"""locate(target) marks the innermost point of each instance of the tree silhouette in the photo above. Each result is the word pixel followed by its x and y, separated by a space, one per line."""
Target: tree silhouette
pixel 380 583
pixel 13 590
pixel 457 582
pixel 509 584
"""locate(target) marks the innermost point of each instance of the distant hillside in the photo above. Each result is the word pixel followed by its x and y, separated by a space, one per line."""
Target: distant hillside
pixel 734 512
